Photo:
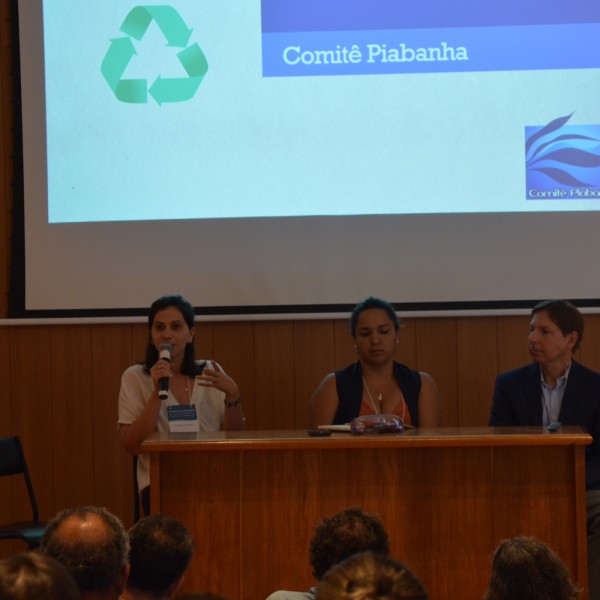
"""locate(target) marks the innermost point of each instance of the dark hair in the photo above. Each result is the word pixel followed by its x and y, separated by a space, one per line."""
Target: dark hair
pixel 564 315
pixel 189 365
pixel 31 576
pixel 344 534
pixel 161 549
pixel 96 562
pixel 528 569
pixel 367 576
pixel 369 304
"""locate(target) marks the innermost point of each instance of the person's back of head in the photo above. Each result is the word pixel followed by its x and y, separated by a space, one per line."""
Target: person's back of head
pixel 343 534
pixel 202 596
pixel 370 576
pixel 92 544
pixel 161 549
pixel 526 568
pixel 32 576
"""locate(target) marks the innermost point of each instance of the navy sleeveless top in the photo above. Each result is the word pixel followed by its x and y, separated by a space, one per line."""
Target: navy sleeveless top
pixel 349 385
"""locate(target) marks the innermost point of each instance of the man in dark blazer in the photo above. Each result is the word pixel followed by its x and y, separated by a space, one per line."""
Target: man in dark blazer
pixel 556 389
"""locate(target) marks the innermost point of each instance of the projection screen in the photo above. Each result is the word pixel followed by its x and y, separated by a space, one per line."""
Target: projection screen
pixel 295 156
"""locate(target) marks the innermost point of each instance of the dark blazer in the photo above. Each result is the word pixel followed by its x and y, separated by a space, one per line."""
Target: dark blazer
pixel 518 401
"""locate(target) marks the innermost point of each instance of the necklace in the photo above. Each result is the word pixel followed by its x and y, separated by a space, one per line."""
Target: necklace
pixel 187 393
pixel 379 398
pixel 187 389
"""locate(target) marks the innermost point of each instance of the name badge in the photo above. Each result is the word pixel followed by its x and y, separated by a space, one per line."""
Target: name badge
pixel 182 418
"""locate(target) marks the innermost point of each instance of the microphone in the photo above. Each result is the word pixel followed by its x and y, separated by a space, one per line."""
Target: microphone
pixel 164 353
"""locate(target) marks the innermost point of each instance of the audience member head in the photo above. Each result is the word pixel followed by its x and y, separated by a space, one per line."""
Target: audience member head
pixel 188 315
pixel 161 549
pixel 370 576
pixel 525 568
pixel 344 534
pixel 92 543
pixel 564 315
pixel 202 596
pixel 370 304
pixel 32 576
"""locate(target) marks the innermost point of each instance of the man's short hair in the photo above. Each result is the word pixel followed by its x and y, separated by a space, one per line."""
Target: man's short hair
pixel 31 576
pixel 564 315
pixel 161 550
pixel 95 562
pixel 344 534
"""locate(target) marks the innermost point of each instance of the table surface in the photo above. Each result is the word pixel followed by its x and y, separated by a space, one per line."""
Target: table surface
pixel 420 437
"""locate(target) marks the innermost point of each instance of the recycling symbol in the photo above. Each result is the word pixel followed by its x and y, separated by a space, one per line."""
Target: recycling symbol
pixel 163 89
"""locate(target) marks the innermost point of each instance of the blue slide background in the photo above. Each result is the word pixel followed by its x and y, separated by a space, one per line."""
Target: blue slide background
pixel 339 15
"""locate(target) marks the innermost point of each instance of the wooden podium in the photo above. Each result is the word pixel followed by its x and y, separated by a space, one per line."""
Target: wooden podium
pixel 446 496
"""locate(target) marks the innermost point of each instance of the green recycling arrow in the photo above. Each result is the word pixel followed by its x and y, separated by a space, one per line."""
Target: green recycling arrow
pixel 173 90
pixel 122 50
pixel 167 18
pixel 193 61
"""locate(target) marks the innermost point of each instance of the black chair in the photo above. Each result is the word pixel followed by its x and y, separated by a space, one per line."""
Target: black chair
pixel 12 462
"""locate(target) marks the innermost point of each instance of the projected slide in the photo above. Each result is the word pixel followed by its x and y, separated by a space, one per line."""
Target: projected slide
pixel 206 109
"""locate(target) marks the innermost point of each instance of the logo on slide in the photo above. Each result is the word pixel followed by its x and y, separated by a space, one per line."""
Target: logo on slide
pixel 122 50
pixel 563 161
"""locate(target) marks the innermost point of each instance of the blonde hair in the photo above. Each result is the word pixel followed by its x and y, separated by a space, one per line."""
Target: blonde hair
pixel 370 576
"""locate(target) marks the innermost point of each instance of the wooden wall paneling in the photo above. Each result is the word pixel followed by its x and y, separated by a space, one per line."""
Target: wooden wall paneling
pixel 436 355
pixel 6 429
pixel 139 341
pixel 32 419
pixel 233 350
pixel 345 353
pixel 314 357
pixel 274 377
pixel 72 416
pixel 477 368
pixel 512 342
pixel 204 340
pixel 112 348
pixel 406 350
pixel 589 352
pixel 7 484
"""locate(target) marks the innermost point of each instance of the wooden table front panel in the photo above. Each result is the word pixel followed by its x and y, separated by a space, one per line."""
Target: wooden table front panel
pixel 253 512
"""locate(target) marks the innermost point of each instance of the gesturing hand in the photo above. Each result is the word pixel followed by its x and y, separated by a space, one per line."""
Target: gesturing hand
pixel 214 376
